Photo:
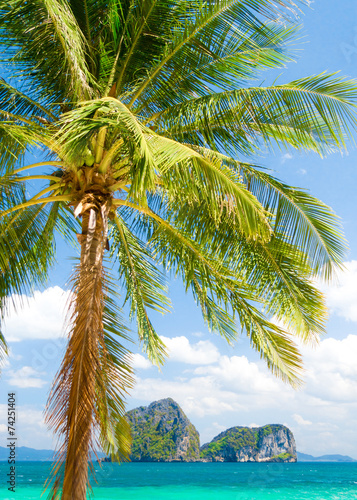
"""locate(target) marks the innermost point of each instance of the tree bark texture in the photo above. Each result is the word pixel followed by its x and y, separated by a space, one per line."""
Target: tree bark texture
pixel 72 410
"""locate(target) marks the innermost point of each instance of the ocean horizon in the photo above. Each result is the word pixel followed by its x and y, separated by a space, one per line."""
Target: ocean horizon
pixel 199 481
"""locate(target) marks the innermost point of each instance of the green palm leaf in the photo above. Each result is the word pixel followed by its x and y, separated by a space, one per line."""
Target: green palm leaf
pixel 223 18
pixel 312 113
pixel 144 284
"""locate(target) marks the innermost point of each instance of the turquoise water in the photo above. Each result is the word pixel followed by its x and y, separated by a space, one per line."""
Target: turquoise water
pixel 197 481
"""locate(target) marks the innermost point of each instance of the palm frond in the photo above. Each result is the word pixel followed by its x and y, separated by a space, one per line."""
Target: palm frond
pixel 211 21
pixel 282 280
pixel 3 348
pixel 191 176
pixel 27 248
pixel 301 220
pixel 313 113
pixel 296 217
pixel 235 58
pixel 223 283
pixel 14 141
pixel 177 251
pixel 44 39
pixel 275 346
pixel 144 284
pixel 16 102
pixel 277 272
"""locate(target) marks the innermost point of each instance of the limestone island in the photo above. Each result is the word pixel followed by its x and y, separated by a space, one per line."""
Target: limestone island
pixel 161 432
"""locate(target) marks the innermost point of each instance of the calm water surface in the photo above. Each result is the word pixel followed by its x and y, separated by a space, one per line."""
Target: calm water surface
pixel 227 481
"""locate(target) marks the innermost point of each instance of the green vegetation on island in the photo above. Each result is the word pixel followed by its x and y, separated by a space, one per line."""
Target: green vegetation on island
pixel 161 432
pixel 270 443
pixel 235 438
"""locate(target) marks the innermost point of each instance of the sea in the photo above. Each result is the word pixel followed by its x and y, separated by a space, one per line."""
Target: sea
pixel 199 481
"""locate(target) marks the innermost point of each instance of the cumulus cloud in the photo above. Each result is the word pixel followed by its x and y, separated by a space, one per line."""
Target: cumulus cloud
pixel 3 428
pixel 220 383
pixel 199 396
pixel 139 362
pixel 330 376
pixel 26 377
pixel 41 316
pixel 198 334
pixel 332 370
pixel 180 349
pixel 238 373
pixel 29 417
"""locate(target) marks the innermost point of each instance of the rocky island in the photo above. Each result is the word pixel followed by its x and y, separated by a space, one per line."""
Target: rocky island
pixel 271 443
pixel 161 432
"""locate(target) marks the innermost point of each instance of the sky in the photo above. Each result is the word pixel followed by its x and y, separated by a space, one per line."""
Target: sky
pixel 220 386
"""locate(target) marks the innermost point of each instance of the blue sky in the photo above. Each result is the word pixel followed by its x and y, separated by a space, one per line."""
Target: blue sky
pixel 219 386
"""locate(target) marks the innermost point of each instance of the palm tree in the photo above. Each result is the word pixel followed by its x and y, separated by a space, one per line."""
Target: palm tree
pixel 145 114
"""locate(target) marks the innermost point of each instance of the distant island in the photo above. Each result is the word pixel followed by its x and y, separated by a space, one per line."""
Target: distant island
pixel 162 432
pixel 25 454
pixel 303 457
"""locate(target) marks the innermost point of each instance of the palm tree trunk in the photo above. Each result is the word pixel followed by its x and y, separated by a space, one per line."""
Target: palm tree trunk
pixel 72 403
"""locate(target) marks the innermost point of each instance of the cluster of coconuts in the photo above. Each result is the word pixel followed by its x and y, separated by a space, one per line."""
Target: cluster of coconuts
pixel 86 158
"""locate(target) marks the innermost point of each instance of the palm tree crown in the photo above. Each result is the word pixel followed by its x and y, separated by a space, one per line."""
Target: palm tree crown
pixel 145 111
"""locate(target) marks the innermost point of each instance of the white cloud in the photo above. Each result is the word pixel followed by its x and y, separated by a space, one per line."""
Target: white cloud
pixel 25 377
pixel 199 396
pixel 341 295
pixel 239 374
pixel 41 316
pixel 332 369
pixel 139 362
pixel 201 353
pixel 219 385
pixel 229 381
pixel 29 417
pixel 3 428
pixel 286 157
pixel 300 420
